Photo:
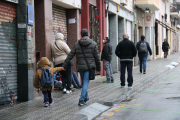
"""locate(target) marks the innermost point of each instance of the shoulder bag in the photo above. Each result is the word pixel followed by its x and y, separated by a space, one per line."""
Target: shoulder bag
pixel 91 70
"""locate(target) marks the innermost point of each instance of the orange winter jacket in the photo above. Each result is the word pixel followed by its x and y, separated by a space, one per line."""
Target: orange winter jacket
pixel 44 63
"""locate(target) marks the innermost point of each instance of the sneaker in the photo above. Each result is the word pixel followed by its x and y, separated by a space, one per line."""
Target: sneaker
pixel 80 86
pixel 85 100
pixel 81 103
pixel 68 91
pixel 144 72
pixel 51 102
pixel 64 90
pixel 140 71
pixel 46 104
pixel 107 81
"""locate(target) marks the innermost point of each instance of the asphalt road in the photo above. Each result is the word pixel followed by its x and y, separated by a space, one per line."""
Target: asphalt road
pixel 160 100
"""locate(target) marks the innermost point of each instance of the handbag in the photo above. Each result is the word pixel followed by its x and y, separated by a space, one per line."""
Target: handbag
pixel 91 70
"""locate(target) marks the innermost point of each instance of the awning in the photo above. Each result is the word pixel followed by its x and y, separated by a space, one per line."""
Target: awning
pixel 166 26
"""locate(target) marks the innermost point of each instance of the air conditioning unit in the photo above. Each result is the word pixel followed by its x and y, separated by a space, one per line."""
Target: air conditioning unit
pixel 123 2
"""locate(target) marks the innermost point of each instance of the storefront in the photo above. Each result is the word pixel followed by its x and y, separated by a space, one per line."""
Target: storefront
pixel 8 52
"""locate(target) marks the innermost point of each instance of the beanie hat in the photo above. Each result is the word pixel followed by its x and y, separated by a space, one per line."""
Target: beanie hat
pixel 84 32
pixel 59 36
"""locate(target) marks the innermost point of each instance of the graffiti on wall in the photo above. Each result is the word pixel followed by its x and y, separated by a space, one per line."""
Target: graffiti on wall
pixel 8 54
pixel 59 22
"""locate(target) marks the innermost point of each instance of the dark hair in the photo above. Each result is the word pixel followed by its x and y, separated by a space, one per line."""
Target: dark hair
pixel 84 32
pixel 107 39
pixel 142 37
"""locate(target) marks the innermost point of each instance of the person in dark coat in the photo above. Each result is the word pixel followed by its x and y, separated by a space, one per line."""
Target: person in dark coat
pixel 143 56
pixel 106 58
pixel 91 52
pixel 126 50
pixel 165 48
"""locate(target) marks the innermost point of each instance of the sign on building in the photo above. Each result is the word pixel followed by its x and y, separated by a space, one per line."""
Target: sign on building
pixel 30 14
pixel 148 19
pixel 14 1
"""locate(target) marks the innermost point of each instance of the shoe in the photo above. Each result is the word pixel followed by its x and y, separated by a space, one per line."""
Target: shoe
pixel 46 104
pixel 64 90
pixel 77 87
pixel 51 102
pixel 140 71
pixel 81 103
pixel 122 86
pixel 107 81
pixel 112 81
pixel 144 72
pixel 130 87
pixel 85 100
pixel 80 86
pixel 73 89
pixel 68 91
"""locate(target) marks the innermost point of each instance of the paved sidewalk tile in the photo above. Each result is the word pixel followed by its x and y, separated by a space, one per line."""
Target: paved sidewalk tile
pixel 66 104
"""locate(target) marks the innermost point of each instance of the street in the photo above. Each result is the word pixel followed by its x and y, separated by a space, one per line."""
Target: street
pixel 158 101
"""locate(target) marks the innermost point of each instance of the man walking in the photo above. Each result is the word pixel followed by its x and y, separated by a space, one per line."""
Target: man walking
pixel 143 48
pixel 106 58
pixel 165 48
pixel 91 53
pixel 126 50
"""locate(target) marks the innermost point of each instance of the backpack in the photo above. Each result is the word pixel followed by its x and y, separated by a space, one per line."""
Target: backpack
pixel 142 47
pixel 46 78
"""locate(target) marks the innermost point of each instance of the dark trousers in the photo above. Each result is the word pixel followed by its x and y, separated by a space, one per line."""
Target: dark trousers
pixel 66 76
pixel 47 96
pixel 129 65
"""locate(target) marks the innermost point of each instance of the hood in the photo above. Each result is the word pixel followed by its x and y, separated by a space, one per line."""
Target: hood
pixel 44 62
pixel 59 36
pixel 85 41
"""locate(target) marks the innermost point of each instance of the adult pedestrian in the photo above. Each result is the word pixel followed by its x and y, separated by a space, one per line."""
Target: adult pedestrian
pixel 91 53
pixel 126 50
pixel 106 58
pixel 143 47
pixel 165 48
pixel 60 51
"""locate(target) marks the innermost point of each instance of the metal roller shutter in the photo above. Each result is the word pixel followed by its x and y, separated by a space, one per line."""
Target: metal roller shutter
pixel 59 21
pixel 128 29
pixel 8 53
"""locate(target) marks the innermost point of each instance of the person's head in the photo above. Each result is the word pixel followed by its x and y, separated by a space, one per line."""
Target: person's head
pixel 59 36
pixel 84 32
pixel 125 36
pixel 106 39
pixel 165 40
pixel 142 37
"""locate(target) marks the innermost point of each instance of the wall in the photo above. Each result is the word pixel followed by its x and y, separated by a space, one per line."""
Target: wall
pixel 68 3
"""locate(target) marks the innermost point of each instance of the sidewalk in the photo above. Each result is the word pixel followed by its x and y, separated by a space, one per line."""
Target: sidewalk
pixel 66 104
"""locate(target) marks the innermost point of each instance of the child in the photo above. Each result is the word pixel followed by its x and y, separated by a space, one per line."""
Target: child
pixel 44 63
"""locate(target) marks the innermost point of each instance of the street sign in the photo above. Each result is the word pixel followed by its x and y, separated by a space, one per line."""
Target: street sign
pixel 14 1
pixel 30 14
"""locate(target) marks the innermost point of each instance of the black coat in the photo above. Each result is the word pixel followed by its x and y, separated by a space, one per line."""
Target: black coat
pixel 91 52
pixel 107 52
pixel 126 49
pixel 165 46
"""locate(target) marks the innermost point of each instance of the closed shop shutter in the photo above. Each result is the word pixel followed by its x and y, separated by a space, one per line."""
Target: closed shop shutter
pixel 8 53
pixel 59 21
pixel 128 29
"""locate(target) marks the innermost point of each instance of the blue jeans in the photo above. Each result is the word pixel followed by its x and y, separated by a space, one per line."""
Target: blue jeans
pixel 142 63
pixel 47 96
pixel 84 83
pixel 75 80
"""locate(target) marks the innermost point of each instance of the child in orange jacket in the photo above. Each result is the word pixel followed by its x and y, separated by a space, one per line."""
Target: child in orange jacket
pixel 44 63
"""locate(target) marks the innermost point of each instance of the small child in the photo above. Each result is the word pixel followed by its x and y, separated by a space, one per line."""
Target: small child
pixel 44 63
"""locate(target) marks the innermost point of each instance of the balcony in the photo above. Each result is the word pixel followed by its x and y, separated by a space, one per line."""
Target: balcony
pixel 70 4
pixel 175 14
pixel 178 2
pixel 149 4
